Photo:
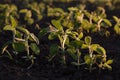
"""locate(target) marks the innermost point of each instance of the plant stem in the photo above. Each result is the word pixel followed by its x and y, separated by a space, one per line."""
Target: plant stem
pixel 10 56
pixel 27 45
pixel 90 68
pixel 91 61
pixel 99 24
pixel 27 48
pixel 63 48
pixel 13 36
pixel 78 57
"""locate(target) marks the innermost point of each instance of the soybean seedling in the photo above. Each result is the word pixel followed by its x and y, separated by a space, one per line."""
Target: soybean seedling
pixel 93 58
pixel 20 41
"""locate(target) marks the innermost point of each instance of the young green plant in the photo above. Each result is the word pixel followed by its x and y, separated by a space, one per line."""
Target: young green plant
pixel 20 41
pixel 62 35
pixel 74 47
pixel 97 55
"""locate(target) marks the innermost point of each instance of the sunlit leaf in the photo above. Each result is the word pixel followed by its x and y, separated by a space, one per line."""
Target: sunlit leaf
pixel 95 18
pixel 30 21
pixel 23 10
pixel 28 14
pixel 101 50
pixel 24 30
pixel 109 62
pixel 87 14
pixel 95 46
pixel 107 66
pixel 35 48
pixel 57 24
pixel 60 10
pixel 117 29
pixel 80 35
pixel 87 59
pixel 9 28
pixel 88 40
pixel 52 36
pixel 116 18
pixel 86 24
pixel 84 46
pixel 73 9
pixel 107 22
pixel 67 41
pixel 73 34
pixel 13 22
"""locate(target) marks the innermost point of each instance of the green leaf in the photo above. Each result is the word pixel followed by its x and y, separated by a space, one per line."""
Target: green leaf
pixel 88 40
pixel 13 22
pixel 18 46
pixel 94 46
pixel 28 14
pixel 79 17
pixel 35 48
pixel 71 51
pixel 86 24
pixel 95 18
pixel 109 62
pixel 52 36
pixel 53 51
pixel 39 17
pixel 101 50
pixel 76 43
pixel 80 35
pixel 107 66
pixel 24 30
pixel 87 59
pixel 57 24
pixel 60 10
pixel 67 41
pixel 9 28
pixel 117 29
pixel 104 59
pixel 116 18
pixel 72 34
pixel 42 32
pixel 73 9
pixel 84 46
pixel 30 21
pixel 87 14
pixel 18 34
pixel 23 10
pixel 107 22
